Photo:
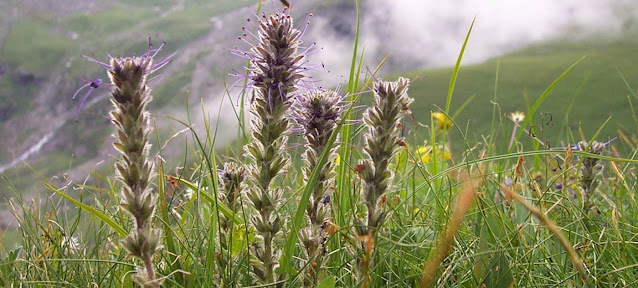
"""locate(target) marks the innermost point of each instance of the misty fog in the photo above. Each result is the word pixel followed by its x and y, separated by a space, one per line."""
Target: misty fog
pixel 428 33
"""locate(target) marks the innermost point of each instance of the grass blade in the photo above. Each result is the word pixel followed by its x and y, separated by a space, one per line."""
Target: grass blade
pixel 444 243
pixel 455 73
pixel 105 218
pixel 543 96
pixel 573 256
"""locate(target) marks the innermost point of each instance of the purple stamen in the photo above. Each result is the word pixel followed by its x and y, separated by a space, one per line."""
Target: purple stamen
pixel 104 65
pixel 81 88
pixel 162 63
pixel 93 85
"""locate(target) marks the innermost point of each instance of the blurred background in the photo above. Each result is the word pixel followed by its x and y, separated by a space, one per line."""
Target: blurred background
pixel 515 51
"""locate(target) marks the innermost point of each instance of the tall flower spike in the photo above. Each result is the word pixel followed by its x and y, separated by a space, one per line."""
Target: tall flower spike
pixel 383 138
pixel 230 179
pixel 317 112
pixel 590 171
pixel 135 170
pixel 275 67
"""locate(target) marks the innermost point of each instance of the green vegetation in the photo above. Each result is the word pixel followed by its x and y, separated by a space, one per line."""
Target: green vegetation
pixel 593 91
pixel 464 208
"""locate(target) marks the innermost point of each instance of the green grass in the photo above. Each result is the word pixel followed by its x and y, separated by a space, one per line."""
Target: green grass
pixel 499 241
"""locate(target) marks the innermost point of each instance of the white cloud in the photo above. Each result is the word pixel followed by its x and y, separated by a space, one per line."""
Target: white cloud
pixel 429 33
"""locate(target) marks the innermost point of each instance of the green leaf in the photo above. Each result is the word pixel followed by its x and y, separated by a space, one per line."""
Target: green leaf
pixel 499 274
pixel 341 180
pixel 455 73
pixel 168 232
pixel 240 239
pixel 329 282
pixel 120 147
pixel 105 218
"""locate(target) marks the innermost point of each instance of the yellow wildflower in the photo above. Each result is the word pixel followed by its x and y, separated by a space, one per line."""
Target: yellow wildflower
pixel 425 152
pixel 441 121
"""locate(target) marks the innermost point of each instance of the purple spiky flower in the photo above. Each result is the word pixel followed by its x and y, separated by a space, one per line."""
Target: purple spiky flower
pixel 318 113
pixel 275 69
pixel 130 95
pixel 382 140
pixel 278 71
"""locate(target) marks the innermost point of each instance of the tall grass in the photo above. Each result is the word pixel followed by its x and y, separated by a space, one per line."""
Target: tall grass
pixel 490 215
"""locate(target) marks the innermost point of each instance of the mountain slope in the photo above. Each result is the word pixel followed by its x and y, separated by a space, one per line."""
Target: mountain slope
pixel 593 91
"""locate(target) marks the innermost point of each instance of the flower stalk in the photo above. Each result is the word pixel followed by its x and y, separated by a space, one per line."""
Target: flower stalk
pixel 318 113
pixel 382 140
pixel 590 171
pixel 230 179
pixel 130 96
pixel 275 68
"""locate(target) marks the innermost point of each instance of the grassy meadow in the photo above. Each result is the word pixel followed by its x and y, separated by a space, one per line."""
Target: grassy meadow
pixel 429 193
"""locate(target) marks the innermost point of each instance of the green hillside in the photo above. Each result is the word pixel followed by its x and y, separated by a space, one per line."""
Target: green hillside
pixel 593 91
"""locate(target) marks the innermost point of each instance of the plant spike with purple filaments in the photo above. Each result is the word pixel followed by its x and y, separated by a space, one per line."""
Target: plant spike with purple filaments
pixel 248 36
pixel 135 170
pixel 391 104
pixel 275 69
pixel 590 171
pixel 230 179
pixel 318 113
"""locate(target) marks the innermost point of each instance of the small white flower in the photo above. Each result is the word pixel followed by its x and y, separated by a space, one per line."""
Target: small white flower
pixel 188 193
pixel 72 243
pixel 517 116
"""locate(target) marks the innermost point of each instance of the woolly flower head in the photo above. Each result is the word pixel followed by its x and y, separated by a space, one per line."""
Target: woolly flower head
pixel 318 112
pixel 119 71
pixel 230 178
pixel 275 62
pixel 143 65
